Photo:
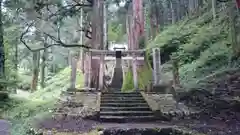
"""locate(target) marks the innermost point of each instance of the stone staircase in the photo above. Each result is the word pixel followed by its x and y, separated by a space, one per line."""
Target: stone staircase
pixel 124 107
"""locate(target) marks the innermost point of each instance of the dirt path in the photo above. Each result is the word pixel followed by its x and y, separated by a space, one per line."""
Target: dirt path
pixel 78 125
pixel 134 125
pixel 68 124
pixel 4 127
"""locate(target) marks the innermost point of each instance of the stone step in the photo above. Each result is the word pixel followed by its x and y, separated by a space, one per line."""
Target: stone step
pixel 113 90
pixel 121 98
pixel 124 104
pixel 125 109
pixel 123 101
pixel 126 113
pixel 121 119
pixel 121 94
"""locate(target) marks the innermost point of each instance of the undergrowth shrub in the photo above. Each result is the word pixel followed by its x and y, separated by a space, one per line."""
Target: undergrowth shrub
pixel 128 83
pixel 209 61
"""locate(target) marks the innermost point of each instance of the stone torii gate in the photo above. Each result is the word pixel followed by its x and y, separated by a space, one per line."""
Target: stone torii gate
pixel 101 55
pixel 131 55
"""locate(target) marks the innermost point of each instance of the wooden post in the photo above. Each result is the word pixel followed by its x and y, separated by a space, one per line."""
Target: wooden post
pixel 82 59
pixel 89 69
pixel 86 69
pixel 73 73
pixel 101 72
pixel 134 68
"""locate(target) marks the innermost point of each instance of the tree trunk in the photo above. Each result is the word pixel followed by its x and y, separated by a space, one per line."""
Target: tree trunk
pixel 232 23
pixel 178 10
pixel 191 7
pixel 214 9
pixel 43 65
pixel 176 80
pixel 105 25
pixel 16 62
pixel 153 31
pixel 157 14
pixel 182 9
pixel 16 56
pixel 173 12
pixel 36 60
pixel 2 53
pixel 97 37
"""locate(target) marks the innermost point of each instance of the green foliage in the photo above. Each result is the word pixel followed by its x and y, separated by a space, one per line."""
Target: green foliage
pixel 144 76
pixel 201 44
pixel 200 41
pixel 115 31
pixel 210 61
pixel 112 36
pixel 10 79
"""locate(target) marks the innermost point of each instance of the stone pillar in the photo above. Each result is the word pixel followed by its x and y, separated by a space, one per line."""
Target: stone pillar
pixel 117 73
pixel 101 72
pixel 118 59
pixel 156 66
pixel 134 68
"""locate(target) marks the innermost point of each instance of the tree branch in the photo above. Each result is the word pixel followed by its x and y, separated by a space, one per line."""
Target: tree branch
pixel 23 34
pixel 66 9
pixel 58 41
pixel 87 32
